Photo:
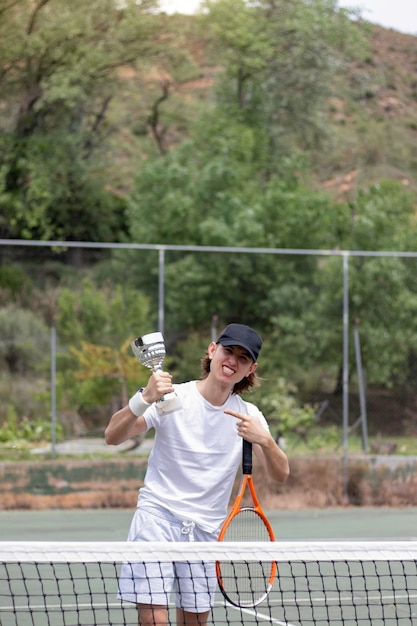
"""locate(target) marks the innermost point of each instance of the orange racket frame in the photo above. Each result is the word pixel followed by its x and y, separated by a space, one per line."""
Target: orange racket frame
pixel 247 484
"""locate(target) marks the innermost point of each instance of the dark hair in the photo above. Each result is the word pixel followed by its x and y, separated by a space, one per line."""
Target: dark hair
pixel 246 384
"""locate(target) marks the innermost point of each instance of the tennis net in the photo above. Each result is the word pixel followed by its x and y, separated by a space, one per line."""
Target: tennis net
pixel 321 583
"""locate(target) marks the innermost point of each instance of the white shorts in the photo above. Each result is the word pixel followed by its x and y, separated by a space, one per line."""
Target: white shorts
pixel 192 584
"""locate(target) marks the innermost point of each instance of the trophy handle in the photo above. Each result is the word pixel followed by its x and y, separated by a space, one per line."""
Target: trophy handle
pixel 169 403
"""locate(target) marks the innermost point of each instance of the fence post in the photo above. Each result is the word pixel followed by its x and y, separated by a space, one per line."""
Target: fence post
pixel 53 390
pixel 161 294
pixel 361 384
pixel 345 369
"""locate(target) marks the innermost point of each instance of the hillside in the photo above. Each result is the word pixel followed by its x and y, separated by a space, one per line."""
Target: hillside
pixel 371 117
pixel 374 116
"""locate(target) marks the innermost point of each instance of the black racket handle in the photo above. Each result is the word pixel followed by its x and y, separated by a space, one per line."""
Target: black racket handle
pixel 247 457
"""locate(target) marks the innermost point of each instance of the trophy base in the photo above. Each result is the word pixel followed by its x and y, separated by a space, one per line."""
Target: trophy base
pixel 169 403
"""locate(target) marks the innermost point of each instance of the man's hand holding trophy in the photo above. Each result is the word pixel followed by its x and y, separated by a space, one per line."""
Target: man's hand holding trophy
pixel 150 351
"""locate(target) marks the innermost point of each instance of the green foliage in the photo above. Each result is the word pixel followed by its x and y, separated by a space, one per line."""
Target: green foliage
pixel 218 198
pixel 13 282
pixel 95 323
pixel 103 316
pixel 279 63
pixel 60 73
pixel 383 218
pixel 24 341
pixel 90 395
pixel 387 328
pixel 306 312
pixel 64 200
pixel 285 415
pixel 324 438
pixel 184 361
pixel 20 433
pixel 102 370
pixel 238 168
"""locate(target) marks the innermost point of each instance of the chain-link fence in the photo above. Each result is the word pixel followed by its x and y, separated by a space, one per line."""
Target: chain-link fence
pixel 350 346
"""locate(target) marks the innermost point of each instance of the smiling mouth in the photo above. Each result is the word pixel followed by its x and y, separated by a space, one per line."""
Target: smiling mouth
pixel 228 370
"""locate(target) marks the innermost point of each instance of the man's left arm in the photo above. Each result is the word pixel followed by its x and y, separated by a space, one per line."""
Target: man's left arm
pixel 271 456
pixel 273 459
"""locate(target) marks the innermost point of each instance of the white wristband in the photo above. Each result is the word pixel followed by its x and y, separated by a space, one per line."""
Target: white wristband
pixel 137 404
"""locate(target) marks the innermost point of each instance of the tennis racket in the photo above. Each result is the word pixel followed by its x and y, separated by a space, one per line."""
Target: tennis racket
pixel 246 583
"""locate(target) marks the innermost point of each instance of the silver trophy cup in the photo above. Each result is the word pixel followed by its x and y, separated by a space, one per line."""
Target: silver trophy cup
pixel 150 351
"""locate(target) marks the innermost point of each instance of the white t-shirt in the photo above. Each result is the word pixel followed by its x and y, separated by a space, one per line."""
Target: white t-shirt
pixel 195 457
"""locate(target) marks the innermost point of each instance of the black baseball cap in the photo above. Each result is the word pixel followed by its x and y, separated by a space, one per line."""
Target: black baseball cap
pixel 244 336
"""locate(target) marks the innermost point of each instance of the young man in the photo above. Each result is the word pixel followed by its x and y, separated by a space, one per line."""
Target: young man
pixel 192 467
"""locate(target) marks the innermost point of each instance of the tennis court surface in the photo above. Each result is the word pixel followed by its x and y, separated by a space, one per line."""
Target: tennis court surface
pixel 355 582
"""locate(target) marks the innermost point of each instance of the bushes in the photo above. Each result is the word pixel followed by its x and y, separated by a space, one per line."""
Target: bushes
pixel 24 340
pixel 20 433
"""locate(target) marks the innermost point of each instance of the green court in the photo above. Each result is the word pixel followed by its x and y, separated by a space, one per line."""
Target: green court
pixel 304 593
pixel 113 525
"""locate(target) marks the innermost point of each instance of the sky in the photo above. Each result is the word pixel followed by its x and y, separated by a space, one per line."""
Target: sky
pixel 400 15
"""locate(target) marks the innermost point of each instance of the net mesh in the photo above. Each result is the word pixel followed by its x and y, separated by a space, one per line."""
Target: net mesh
pixel 325 583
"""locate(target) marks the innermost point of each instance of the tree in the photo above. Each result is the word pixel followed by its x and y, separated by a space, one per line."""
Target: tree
pixel 232 184
pixel 209 194
pixel 382 297
pixel 383 218
pixel 95 326
pixel 24 341
pixel 113 367
pixel 280 59
pixel 60 75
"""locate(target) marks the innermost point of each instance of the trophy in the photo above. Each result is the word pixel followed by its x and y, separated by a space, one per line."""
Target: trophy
pixel 150 351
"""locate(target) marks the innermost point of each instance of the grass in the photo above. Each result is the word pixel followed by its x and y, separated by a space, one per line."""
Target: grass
pixel 328 441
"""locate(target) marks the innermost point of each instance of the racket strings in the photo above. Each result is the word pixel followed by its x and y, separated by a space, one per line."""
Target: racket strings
pixel 246 583
pixel 247 525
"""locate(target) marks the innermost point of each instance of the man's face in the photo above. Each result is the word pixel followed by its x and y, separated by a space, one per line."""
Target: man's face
pixel 230 364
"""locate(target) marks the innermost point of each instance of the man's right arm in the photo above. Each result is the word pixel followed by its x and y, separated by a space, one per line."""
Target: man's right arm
pixel 123 426
pixel 129 421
